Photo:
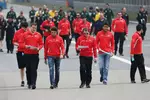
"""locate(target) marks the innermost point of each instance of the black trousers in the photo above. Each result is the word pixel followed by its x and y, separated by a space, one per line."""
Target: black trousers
pixel 76 38
pixel 86 69
pixel 32 61
pixel 144 31
pixel 119 38
pixel 138 63
pixel 32 20
pixel 66 38
pixel 9 45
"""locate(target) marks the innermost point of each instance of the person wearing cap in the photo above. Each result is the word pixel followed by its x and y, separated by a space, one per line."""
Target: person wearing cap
pixel 108 13
pixel 46 26
pixel 2 30
pixel 11 14
pixel 105 46
pixel 32 14
pixel 137 58
pixel 32 43
pixel 64 30
pixel 20 19
pixel 53 52
pixel 86 45
pixel 84 13
pixel 20 51
pixel 11 27
pixel 142 18
pixel 125 16
pixel 120 29
pixel 98 26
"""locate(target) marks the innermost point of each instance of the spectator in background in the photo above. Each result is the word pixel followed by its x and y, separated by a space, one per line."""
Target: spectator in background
pixel 20 19
pixel 108 13
pixel 61 13
pixel 32 14
pixel 142 19
pixel 52 12
pixel 11 14
pixel 84 13
pixel 97 16
pixel 2 30
pixel 125 16
pixel 46 14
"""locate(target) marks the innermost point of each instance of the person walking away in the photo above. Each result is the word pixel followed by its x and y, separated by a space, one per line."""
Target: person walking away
pixel 11 27
pixel 142 18
pixel 54 51
pixel 20 51
pixel 137 58
pixel 64 30
pixel 32 42
pixel 2 30
pixel 120 30
pixel 86 44
pixel 105 45
pixel 32 14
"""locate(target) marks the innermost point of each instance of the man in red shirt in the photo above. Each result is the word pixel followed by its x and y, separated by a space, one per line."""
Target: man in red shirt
pixel 20 54
pixel 64 31
pixel 137 59
pixel 54 51
pixel 105 45
pixel 120 30
pixel 76 27
pixel 46 26
pixel 32 42
pixel 85 24
pixel 86 44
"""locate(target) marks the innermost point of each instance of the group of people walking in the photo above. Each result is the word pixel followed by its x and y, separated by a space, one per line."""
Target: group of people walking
pixel 53 30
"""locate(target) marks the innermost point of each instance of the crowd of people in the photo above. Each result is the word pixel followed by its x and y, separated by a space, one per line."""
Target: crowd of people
pixel 93 31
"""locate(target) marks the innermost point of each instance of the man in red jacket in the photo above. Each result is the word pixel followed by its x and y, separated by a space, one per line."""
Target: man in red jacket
pixel 54 51
pixel 76 27
pixel 105 45
pixel 32 42
pixel 120 30
pixel 64 31
pixel 46 26
pixel 86 44
pixel 20 52
pixel 137 59
pixel 85 24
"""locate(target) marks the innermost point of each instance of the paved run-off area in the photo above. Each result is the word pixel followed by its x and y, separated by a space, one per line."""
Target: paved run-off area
pixel 118 88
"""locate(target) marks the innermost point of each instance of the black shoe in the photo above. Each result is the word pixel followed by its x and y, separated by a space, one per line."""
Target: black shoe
pixel 105 82
pixel 67 56
pixel 56 86
pixel 133 82
pixel 7 51
pixel 29 86
pixel 11 52
pixel 101 79
pixel 22 84
pixel 33 87
pixel 121 54
pixel 88 86
pixel 146 81
pixel 1 50
pixel 82 85
pixel 51 87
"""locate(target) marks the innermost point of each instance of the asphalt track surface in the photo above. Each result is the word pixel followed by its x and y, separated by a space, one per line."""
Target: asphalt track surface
pixel 118 88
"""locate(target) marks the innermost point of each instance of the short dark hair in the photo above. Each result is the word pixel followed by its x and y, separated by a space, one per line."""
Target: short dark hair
pixel 139 27
pixel 106 23
pixel 24 24
pixel 107 4
pixel 33 24
pixel 54 29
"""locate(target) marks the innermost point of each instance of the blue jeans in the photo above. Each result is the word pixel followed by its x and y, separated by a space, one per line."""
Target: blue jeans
pixel 104 60
pixel 54 61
